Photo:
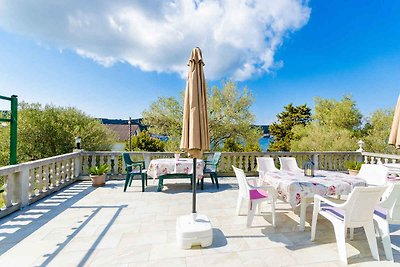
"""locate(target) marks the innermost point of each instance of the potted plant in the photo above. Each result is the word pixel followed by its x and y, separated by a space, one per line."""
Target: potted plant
pixel 353 167
pixel 98 174
pixel 177 154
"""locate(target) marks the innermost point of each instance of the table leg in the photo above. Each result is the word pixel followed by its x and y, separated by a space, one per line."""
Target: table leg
pixel 303 208
pixel 160 184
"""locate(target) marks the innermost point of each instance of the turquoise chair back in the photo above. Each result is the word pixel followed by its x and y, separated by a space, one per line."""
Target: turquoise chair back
pixel 216 158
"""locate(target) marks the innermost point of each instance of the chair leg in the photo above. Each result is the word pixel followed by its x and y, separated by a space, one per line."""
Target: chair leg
pixel 340 240
pixel 202 184
pixel 212 178
pixel 370 233
pixel 127 178
pixel 351 233
pixel 250 213
pixel 314 222
pixel 216 179
pixel 239 204
pixel 273 212
pixel 384 232
pixel 143 181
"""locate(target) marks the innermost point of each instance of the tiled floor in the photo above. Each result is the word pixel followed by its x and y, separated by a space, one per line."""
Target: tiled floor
pixel 86 226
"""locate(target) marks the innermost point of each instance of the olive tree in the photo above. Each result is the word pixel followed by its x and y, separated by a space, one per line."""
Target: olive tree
pixel 45 131
pixel 229 118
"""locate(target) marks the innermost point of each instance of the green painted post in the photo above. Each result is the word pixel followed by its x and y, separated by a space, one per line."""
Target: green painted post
pixel 13 130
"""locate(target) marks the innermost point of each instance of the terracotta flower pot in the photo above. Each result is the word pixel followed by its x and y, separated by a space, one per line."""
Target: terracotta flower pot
pixel 353 172
pixel 98 180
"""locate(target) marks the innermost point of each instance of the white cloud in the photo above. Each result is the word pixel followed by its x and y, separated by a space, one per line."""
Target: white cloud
pixel 238 37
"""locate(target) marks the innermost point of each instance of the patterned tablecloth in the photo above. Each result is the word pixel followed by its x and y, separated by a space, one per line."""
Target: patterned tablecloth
pixel 293 186
pixel 160 167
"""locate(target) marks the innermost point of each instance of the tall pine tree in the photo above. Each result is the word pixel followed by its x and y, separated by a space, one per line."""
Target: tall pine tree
pixel 281 130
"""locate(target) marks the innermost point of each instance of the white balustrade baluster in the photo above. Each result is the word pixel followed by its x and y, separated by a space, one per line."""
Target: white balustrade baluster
pixel 85 166
pixel 53 175
pixel 46 177
pixel 93 161
pixel 8 193
pixel 246 162
pixel 39 179
pixel 31 178
pixel 62 171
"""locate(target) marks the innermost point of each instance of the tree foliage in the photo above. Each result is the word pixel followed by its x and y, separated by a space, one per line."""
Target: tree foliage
pixel 145 142
pixel 377 130
pixel 315 137
pixel 48 131
pixel 229 118
pixel 287 119
pixel 164 116
pixel 335 127
pixel 337 114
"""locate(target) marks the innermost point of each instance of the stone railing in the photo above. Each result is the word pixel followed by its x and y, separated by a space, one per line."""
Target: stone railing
pixel 333 161
pixel 375 158
pixel 245 160
pixel 28 182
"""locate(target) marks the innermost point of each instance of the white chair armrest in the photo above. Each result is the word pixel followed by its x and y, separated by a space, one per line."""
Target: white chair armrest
pixel 252 181
pixel 318 198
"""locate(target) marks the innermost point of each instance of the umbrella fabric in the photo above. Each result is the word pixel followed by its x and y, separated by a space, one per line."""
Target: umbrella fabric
pixel 394 137
pixel 195 136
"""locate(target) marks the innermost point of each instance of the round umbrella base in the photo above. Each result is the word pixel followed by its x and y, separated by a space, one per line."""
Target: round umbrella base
pixel 193 230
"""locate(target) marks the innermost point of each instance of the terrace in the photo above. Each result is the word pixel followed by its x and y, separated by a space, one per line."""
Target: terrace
pixel 53 216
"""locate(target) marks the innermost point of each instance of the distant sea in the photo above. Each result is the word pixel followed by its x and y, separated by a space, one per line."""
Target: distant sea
pixel 264 143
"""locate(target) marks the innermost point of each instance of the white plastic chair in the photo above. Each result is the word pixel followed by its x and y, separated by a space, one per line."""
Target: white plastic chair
pixel 289 164
pixel 388 212
pixel 357 211
pixel 264 165
pixel 255 196
pixel 373 174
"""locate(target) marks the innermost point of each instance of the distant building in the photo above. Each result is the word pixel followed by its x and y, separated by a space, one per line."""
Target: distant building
pixel 122 129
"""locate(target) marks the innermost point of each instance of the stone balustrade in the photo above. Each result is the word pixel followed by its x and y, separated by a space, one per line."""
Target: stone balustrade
pixel 375 158
pixel 28 182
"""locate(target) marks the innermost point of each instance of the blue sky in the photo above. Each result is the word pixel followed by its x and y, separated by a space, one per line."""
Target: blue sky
pixel 114 59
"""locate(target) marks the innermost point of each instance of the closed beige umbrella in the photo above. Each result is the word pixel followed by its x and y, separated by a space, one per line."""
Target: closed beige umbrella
pixel 195 229
pixel 394 137
pixel 195 136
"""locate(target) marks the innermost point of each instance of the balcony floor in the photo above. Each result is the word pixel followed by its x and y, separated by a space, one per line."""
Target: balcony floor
pixel 86 226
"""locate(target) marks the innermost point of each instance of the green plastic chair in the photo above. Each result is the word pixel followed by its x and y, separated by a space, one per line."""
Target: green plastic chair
pixel 211 168
pixel 134 168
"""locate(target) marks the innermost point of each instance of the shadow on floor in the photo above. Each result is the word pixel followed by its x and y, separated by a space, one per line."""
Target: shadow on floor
pixel 18 225
pixel 95 211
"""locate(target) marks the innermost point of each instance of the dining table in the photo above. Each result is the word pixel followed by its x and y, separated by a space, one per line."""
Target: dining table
pixel 166 168
pixel 297 189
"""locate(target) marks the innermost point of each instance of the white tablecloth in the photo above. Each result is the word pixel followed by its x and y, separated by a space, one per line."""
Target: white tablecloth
pixel 159 167
pixel 293 186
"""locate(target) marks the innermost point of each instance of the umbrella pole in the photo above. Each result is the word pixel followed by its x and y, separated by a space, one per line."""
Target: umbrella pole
pixel 194 186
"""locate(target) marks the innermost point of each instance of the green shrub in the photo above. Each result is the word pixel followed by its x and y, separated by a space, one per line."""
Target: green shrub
pixel 99 169
pixel 353 165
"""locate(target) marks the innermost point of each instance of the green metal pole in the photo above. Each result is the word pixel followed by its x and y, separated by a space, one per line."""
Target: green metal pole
pixel 13 130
